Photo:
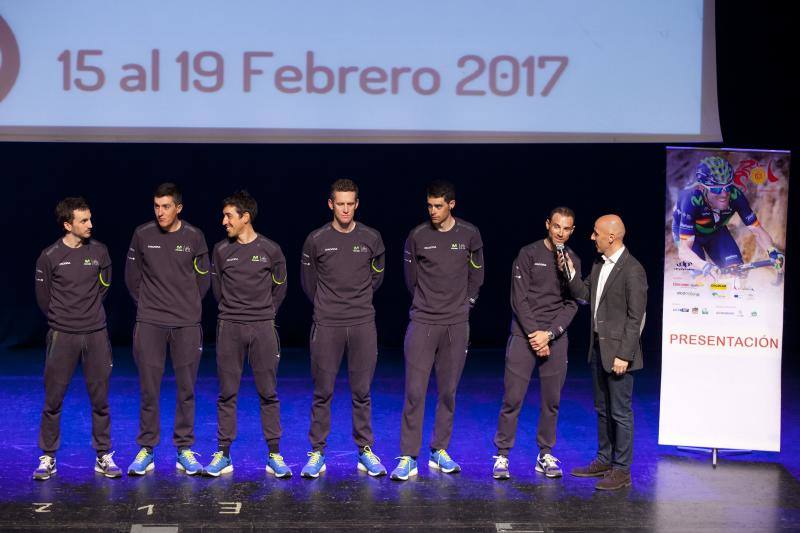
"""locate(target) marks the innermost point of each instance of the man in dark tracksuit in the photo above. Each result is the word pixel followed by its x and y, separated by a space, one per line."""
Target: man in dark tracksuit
pixel 167 276
pixel 443 267
pixel 248 277
pixel 341 267
pixel 542 308
pixel 72 278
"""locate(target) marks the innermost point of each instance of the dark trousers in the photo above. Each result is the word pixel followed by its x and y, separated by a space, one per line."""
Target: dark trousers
pixel 613 396
pixel 259 341
pixel 150 354
pixel 520 363
pixel 64 350
pixel 328 344
pixel 426 346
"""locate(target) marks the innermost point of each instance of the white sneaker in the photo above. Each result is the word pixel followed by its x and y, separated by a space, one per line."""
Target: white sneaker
pixel 47 467
pixel 500 469
pixel 548 465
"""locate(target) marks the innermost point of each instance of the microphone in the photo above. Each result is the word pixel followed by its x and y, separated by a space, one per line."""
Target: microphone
pixel 563 260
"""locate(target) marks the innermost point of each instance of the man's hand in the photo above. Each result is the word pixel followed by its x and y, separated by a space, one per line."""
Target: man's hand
pixel 778 259
pixel 544 352
pixel 538 340
pixel 620 366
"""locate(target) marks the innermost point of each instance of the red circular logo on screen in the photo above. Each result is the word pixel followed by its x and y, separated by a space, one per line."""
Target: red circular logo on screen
pixel 9 59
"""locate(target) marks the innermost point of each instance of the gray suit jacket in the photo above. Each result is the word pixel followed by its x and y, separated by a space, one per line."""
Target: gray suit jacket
pixel 620 312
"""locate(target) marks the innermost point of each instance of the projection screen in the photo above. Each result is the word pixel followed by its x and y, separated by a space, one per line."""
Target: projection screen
pixel 358 71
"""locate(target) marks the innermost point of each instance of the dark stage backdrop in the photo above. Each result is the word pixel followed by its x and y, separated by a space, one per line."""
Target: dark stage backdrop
pixel 506 190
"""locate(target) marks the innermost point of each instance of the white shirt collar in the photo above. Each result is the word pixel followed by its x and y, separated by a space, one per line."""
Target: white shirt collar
pixel 615 256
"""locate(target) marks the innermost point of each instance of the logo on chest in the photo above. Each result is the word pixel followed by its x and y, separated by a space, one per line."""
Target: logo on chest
pixel 183 248
pixel 360 248
pixel 259 259
pixel 91 262
pixel 456 246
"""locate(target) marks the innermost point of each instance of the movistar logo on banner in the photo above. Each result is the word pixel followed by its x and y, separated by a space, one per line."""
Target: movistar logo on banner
pixel 9 59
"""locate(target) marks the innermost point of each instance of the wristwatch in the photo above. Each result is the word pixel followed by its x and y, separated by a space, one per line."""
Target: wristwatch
pixel 551 335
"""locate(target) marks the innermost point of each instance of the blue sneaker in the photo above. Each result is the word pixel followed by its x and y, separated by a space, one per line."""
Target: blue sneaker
pixel 105 465
pixel 46 468
pixel 406 468
pixel 441 460
pixel 370 463
pixel 185 462
pixel 500 468
pixel 315 465
pixel 218 465
pixel 277 467
pixel 142 463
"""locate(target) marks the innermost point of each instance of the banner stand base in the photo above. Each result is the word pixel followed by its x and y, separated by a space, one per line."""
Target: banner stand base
pixel 715 452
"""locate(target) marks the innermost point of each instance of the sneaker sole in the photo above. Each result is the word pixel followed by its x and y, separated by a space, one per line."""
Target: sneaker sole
pixel 43 478
pixel 363 468
pixel 402 478
pixel 281 476
pixel 112 475
pixel 309 475
pixel 147 469
pixel 227 470
pixel 501 476
pixel 436 466
pixel 188 472
pixel 551 476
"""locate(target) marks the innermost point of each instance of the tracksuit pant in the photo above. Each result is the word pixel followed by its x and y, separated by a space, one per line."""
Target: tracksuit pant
pixel 258 341
pixel 520 363
pixel 427 346
pixel 64 350
pixel 150 353
pixel 328 344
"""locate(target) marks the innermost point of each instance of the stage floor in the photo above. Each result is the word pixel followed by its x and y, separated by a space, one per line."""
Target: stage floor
pixel 672 490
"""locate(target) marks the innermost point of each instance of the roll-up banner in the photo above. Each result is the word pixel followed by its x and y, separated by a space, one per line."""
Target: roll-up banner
pixel 725 235
pixel 358 70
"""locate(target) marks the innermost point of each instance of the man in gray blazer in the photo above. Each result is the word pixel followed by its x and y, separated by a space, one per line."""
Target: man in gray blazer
pixel 616 290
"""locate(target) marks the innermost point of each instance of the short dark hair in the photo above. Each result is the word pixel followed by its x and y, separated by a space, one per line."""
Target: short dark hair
pixel 169 189
pixel 65 209
pixel 344 185
pixel 243 203
pixel 563 211
pixel 442 189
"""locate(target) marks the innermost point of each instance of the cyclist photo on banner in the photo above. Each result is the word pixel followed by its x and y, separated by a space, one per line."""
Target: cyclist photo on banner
pixel 703 217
